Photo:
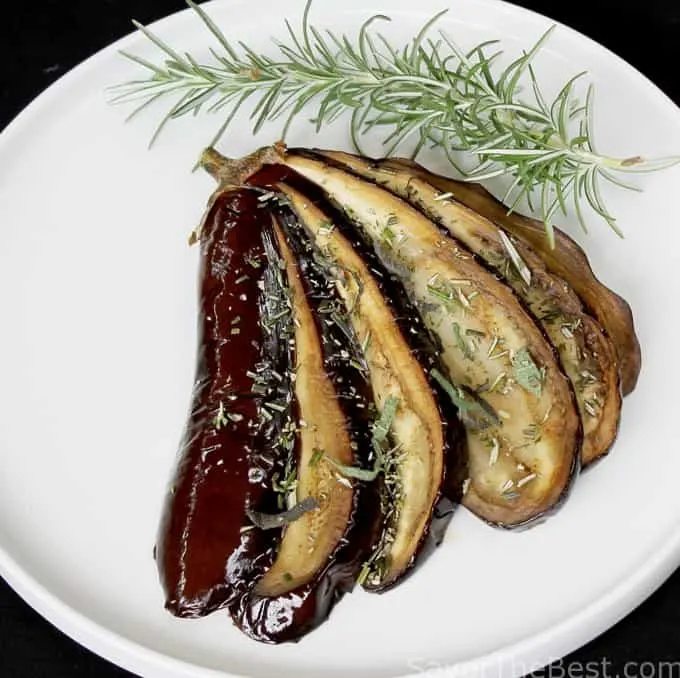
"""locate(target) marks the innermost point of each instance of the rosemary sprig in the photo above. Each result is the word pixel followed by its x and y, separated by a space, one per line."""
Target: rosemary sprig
pixel 430 92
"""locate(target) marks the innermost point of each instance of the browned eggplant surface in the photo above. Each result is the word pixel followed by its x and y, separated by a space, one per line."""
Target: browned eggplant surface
pixel 421 444
pixel 515 477
pixel 568 261
pixel 586 354
pixel 206 552
pixel 376 344
pixel 319 555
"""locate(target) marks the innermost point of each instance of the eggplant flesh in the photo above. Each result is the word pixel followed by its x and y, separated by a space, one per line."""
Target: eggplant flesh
pixel 567 260
pixel 205 555
pixel 320 554
pixel 309 542
pixel 586 354
pixel 522 461
pixel 415 469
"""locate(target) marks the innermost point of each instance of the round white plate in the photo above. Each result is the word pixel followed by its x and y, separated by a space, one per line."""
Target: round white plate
pixel 97 288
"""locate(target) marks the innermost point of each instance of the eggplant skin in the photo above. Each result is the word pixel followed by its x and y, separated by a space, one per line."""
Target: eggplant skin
pixel 516 476
pixel 430 447
pixel 586 354
pixel 320 555
pixel 310 541
pixel 204 559
pixel 569 261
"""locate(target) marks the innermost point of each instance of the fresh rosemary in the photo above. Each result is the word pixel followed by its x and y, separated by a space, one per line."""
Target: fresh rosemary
pixel 430 92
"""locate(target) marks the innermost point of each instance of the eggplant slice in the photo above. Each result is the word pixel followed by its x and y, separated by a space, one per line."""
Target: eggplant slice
pixel 566 260
pixel 206 554
pixel 586 354
pixel 309 542
pixel 523 454
pixel 320 553
pixel 416 468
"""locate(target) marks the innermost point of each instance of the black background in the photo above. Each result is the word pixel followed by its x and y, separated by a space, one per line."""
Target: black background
pixel 42 39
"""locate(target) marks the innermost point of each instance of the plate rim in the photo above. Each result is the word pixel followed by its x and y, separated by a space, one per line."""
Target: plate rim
pixel 510 661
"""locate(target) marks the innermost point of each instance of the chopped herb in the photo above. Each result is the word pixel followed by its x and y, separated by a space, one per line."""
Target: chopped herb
pixel 589 407
pixel 507 485
pixel 271 521
pixel 495 449
pixel 388 236
pixel 515 258
pixel 461 342
pixel 551 315
pixel 317 455
pixel 365 474
pixel 439 293
pixel 492 345
pixel 268 195
pixel 527 374
pixel 474 413
pixel 363 574
pixel 497 382
pixel 526 479
pixel 220 419
pixel 326 228
pixel 443 196
pixel 465 302
pixel 287 577
pixel 382 426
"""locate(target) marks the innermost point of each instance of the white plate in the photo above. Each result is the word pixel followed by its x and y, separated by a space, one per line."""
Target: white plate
pixel 97 289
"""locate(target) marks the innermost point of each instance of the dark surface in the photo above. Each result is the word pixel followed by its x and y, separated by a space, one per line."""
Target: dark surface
pixel 42 39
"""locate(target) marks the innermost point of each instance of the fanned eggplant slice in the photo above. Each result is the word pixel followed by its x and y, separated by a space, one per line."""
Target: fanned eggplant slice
pixel 206 555
pixel 586 354
pixel 320 554
pixel 523 457
pixel 309 543
pixel 568 261
pixel 415 469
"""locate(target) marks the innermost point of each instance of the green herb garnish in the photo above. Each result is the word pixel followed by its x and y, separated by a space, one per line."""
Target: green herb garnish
pixel 473 412
pixel 220 419
pixel 526 372
pixel 429 92
pixel 272 521
pixel 461 342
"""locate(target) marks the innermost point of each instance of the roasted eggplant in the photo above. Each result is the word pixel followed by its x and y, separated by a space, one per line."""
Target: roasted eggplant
pixel 586 354
pixel 566 260
pixel 206 553
pixel 320 553
pixel 415 463
pixel 524 452
pixel 376 345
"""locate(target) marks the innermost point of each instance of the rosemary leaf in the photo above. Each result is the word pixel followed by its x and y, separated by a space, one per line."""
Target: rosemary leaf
pixel 272 521
pixel 428 92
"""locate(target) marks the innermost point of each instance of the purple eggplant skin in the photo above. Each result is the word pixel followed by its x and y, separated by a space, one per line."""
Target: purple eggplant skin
pixel 204 555
pixel 290 616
